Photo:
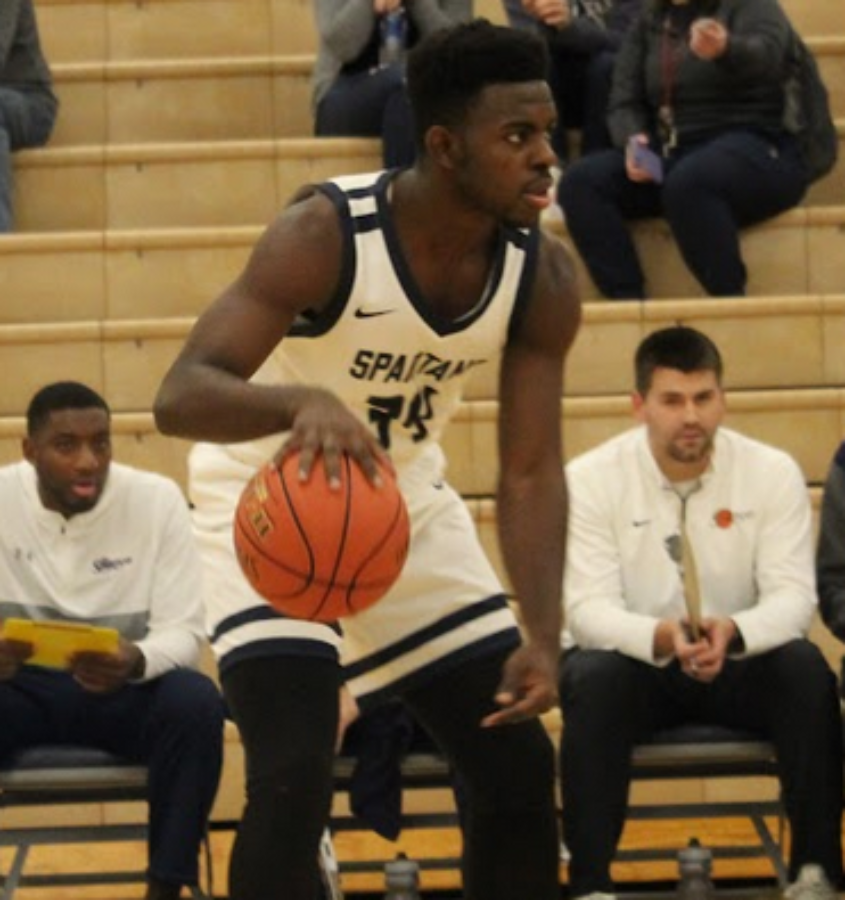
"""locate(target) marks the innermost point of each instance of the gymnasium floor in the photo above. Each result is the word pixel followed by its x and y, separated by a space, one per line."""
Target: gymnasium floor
pixel 750 879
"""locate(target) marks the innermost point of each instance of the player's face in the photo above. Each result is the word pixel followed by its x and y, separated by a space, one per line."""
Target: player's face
pixel 71 454
pixel 682 412
pixel 504 155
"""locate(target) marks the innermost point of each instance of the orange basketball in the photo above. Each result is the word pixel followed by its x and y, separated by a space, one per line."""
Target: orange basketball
pixel 315 553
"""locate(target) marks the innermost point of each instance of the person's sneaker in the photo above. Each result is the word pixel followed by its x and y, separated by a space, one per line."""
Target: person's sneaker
pixel 811 884
pixel 596 895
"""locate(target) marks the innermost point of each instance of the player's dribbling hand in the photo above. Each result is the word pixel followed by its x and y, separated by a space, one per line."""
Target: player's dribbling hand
pixel 528 687
pixel 324 426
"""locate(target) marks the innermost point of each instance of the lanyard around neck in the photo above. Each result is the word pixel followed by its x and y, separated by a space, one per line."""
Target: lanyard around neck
pixel 672 48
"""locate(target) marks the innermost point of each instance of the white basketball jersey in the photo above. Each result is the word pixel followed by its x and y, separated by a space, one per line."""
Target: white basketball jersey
pixel 402 369
pixel 379 346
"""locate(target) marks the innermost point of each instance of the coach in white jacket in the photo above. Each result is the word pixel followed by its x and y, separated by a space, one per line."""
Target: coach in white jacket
pixel 643 654
pixel 86 541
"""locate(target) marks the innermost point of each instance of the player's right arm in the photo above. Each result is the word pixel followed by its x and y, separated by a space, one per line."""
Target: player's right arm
pixel 207 394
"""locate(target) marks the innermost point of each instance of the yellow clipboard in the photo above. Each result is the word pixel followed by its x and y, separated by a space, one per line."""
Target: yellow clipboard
pixel 53 643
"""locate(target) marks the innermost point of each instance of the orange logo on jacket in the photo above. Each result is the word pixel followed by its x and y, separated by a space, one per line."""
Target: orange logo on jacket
pixel 724 518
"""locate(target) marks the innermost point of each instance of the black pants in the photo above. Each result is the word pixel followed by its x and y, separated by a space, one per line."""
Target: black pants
pixel 371 104
pixel 580 84
pixel 173 724
pixel 711 190
pixel 611 702
pixel 286 709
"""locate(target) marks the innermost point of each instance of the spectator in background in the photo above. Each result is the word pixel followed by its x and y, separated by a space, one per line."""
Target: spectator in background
pixel 359 77
pixel 830 557
pixel 83 540
pixel 700 84
pixel 28 105
pixel 584 37
pixel 654 640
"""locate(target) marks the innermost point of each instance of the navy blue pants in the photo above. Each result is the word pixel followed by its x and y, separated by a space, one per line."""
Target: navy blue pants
pixel 610 702
pixel 711 190
pixel 26 120
pixel 371 104
pixel 173 724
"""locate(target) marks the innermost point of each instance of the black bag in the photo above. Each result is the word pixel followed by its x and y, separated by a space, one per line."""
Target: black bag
pixel 806 111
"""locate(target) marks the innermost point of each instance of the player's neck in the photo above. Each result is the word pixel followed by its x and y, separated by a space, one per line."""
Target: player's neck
pixel 424 207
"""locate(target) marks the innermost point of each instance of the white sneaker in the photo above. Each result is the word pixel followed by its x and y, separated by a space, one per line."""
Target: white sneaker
pixel 596 895
pixel 811 884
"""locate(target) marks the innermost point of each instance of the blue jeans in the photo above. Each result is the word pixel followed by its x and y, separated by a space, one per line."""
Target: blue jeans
pixel 173 724
pixel 371 104
pixel 26 120
pixel 711 190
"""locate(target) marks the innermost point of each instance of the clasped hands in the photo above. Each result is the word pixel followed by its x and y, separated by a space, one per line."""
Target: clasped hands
pixel 703 657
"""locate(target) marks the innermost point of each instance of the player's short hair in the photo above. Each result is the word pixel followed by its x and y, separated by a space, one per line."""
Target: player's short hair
pixel 59 396
pixel 677 347
pixel 449 68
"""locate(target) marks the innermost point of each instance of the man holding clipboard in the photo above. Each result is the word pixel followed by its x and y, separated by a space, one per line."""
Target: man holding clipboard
pixel 102 623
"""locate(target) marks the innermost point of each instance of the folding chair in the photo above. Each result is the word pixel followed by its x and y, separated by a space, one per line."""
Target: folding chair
pixel 49 775
pixel 710 751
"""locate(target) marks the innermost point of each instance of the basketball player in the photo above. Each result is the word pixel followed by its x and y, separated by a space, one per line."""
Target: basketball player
pixel 353 328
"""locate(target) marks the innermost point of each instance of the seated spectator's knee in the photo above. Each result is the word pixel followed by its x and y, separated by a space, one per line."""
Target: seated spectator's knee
pixel 190 700
pixel 574 186
pixel 597 676
pixel 798 666
pixel 589 179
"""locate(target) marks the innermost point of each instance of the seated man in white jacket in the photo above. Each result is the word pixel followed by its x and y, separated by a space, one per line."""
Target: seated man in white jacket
pixel 83 540
pixel 654 641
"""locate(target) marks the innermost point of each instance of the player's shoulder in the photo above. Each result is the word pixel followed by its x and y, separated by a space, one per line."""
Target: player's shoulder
pixel 552 248
pixel 555 267
pixel 555 295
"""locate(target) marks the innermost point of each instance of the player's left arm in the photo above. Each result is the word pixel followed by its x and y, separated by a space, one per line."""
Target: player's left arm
pixel 532 499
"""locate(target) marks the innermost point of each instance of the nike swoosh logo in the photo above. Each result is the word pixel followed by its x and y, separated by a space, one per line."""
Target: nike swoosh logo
pixel 638 523
pixel 362 313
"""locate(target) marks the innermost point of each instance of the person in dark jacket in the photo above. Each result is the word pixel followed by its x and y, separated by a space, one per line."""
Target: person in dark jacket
pixel 830 557
pixel 28 105
pixel 696 116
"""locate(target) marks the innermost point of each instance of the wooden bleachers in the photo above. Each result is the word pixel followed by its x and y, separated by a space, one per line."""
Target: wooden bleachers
pixel 185 125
